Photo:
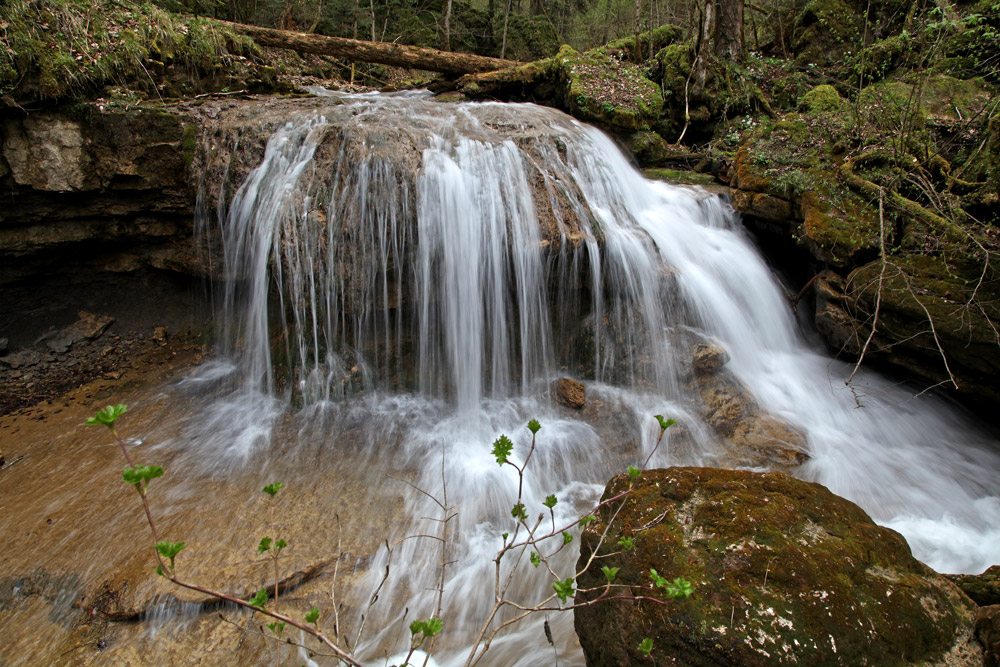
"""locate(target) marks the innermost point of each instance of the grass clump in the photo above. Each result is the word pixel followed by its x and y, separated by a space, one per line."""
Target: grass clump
pixel 65 48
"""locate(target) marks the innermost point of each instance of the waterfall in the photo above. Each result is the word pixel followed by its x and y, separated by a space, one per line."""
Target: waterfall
pixel 424 271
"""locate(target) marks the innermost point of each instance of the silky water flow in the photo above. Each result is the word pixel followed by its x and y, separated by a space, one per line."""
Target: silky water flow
pixel 407 277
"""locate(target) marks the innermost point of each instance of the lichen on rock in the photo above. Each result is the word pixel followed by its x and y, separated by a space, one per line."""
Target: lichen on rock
pixel 784 572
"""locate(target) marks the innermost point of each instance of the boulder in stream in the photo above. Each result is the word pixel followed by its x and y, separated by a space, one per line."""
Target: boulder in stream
pixel 570 393
pixel 783 572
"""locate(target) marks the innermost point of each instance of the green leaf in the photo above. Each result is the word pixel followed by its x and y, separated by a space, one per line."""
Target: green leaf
pixel 502 448
pixel 260 599
pixel 610 573
pixel 505 536
pixel 633 472
pixel 272 489
pixel 665 423
pixel 107 416
pixel 564 588
pixel 312 615
pixel 519 513
pixel 550 501
pixel 159 571
pixel 587 519
pixel 265 544
pixel 658 581
pixel 679 588
pixel 567 538
pixel 433 626
pixel 646 646
pixel 169 550
pixel 626 543
pixel 534 426
pixel 280 544
pixel 535 559
pixel 427 628
pixel 276 627
pixel 141 475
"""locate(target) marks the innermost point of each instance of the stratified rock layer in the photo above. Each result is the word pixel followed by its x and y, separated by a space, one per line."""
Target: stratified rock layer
pixel 784 572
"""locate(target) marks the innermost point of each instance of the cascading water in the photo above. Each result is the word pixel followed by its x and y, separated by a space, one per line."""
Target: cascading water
pixel 409 276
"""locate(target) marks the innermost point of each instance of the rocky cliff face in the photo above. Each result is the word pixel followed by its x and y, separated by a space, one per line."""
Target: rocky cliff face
pixel 109 180
pixel 97 225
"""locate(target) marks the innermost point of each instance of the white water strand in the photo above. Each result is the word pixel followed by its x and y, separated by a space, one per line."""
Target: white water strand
pixel 425 269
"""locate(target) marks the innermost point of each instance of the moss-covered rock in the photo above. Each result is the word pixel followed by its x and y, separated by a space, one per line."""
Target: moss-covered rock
pixel 825 30
pixel 679 177
pixel 784 572
pixel 984 589
pixel 599 87
pixel 821 98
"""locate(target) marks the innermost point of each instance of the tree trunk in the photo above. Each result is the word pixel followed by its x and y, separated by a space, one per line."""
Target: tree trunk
pixel 506 19
pixel 729 30
pixel 385 53
pixel 489 39
pixel 447 26
pixel 635 33
pixel 704 46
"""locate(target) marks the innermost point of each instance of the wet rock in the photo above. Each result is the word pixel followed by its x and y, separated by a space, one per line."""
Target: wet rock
pixel 724 406
pixel 988 634
pixel 570 393
pixel 983 588
pixel 783 572
pixel 159 336
pixel 832 320
pixel 761 205
pixel 765 441
pixel 709 358
pixel 4 346
pixel 753 438
pixel 21 359
pixel 88 327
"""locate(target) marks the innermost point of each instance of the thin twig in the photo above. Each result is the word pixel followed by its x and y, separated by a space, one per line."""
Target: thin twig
pixel 881 278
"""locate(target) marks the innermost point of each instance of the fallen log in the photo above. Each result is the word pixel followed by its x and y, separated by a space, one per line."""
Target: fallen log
pixel 383 53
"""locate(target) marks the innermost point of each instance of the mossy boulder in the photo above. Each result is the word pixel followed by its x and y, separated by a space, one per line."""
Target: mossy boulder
pixel 599 87
pixel 983 588
pixel 784 572
pixel 638 50
pixel 824 31
pixel 821 98
pixel 788 168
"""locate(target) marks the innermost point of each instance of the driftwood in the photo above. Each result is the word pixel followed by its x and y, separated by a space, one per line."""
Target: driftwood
pixel 383 53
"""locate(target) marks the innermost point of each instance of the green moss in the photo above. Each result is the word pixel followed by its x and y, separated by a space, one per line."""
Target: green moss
pixel 824 30
pixel 59 48
pixel 823 98
pixel 599 87
pixel 881 58
pixel 189 142
pixel 780 561
pixel 683 177
pixel 662 36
